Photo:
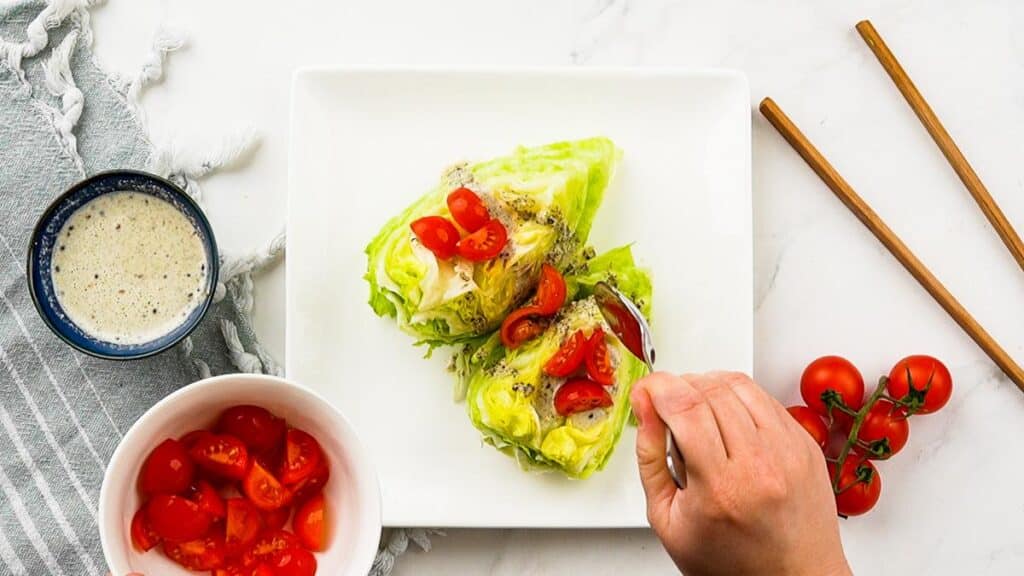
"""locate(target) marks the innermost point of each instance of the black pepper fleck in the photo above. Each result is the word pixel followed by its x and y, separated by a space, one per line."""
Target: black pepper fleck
pixel 56 268
pixel 154 310
pixel 62 247
pixel 96 276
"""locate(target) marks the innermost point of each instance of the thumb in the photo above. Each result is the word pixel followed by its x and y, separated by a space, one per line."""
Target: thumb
pixel 658 485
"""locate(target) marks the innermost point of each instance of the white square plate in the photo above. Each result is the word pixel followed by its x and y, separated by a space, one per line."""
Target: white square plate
pixel 368 142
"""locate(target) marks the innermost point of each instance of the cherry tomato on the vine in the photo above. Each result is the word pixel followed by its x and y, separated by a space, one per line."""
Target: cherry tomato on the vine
pixel 830 380
pixel 922 382
pixel 884 431
pixel 859 486
pixel 810 421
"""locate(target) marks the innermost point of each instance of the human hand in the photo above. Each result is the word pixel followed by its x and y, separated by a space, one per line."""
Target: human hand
pixel 758 498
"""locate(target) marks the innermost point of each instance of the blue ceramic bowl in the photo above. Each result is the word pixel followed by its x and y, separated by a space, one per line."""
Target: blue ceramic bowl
pixel 40 252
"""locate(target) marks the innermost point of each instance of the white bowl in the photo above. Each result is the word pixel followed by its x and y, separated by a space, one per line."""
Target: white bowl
pixel 352 491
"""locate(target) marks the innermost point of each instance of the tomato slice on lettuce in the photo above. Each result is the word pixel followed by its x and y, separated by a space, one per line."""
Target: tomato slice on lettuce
pixel 521 326
pixel 569 356
pixel 467 209
pixel 438 235
pixel 599 359
pixel 484 244
pixel 579 396
pixel 551 291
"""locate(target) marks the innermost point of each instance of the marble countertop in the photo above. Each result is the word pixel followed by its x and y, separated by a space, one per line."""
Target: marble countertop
pixel 951 502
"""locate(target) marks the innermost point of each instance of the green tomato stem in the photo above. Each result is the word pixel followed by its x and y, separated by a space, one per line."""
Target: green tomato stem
pixel 851 439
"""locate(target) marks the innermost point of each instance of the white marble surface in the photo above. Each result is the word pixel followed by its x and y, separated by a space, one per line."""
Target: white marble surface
pixel 951 502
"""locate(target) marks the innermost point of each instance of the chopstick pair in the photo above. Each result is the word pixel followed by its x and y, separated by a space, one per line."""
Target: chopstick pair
pixel 874 223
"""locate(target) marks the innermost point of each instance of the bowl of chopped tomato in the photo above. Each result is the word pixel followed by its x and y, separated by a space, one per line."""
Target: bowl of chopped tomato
pixel 240 475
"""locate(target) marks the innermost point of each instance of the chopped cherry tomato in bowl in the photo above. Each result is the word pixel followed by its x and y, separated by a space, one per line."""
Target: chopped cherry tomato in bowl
pixel 208 499
pixel 243 525
pixel 264 490
pixel 484 244
pixel 438 235
pixel 206 553
pixel 294 562
pixel 177 518
pixel 256 427
pixel 468 210
pixel 579 396
pixel 301 457
pixel 144 538
pixel 221 454
pixel 311 523
pixel 167 469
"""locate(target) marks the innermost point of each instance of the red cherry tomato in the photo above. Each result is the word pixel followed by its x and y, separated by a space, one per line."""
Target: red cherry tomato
pixel 311 523
pixel 264 570
pixel 207 498
pixel 221 454
pixel 831 379
pixel 243 525
pixel 859 487
pixel 579 396
pixel 167 470
pixel 176 518
pixel 276 519
pixel 263 490
pixel 438 235
pixel 144 538
pixel 519 326
pixel 189 440
pixel 267 545
pixel 484 244
pixel 569 357
pixel 884 431
pixel 256 427
pixel 921 381
pixel 599 359
pixel 200 554
pixel 301 456
pixel 294 562
pixel 551 291
pixel 314 483
pixel 810 421
pixel 468 209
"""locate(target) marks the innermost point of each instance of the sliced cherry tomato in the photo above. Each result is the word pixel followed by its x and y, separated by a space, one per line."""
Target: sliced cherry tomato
pixel 264 570
pixel 579 396
pixel 177 518
pixel 276 519
pixel 189 440
pixel 167 470
pixel 569 357
pixel 921 381
pixel 302 454
pixel 200 554
pixel 468 210
pixel 520 326
pixel 209 501
pixel 599 359
pixel 484 244
pixel 270 543
pixel 810 421
pixel 311 523
pixel 551 291
pixel 263 490
pixel 243 525
pixel 259 429
pixel 859 487
pixel 314 483
pixel 831 380
pixel 884 431
pixel 144 538
pixel 294 562
pixel 438 235
pixel 221 454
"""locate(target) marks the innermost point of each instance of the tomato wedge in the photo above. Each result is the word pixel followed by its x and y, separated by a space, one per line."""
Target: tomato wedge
pixel 293 562
pixel 301 456
pixel 579 396
pixel 569 357
pixel 176 518
pixel 263 490
pixel 551 291
pixel 221 454
pixel 270 543
pixel 520 326
pixel 599 359
pixel 438 235
pixel 314 483
pixel 311 523
pixel 207 498
pixel 276 519
pixel 167 470
pixel 468 210
pixel 243 525
pixel 256 427
pixel 144 538
pixel 484 244
pixel 200 554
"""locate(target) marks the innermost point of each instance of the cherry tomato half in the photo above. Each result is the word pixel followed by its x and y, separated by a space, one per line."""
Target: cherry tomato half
pixel 484 244
pixel 189 440
pixel 200 554
pixel 221 454
pixel 831 379
pixel 311 523
pixel 243 525
pixel 519 326
pixel 569 356
pixel 810 421
pixel 176 518
pixel 551 291
pixel 276 519
pixel 599 359
pixel 302 455
pixel 468 210
pixel 312 484
pixel 167 470
pixel 207 498
pixel 256 427
pixel 294 562
pixel 885 430
pixel 922 381
pixel 267 545
pixel 859 487
pixel 438 235
pixel 263 490
pixel 579 396
pixel 144 538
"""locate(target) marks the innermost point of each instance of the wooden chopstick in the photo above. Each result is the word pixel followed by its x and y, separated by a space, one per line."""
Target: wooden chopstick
pixel 869 218
pixel 942 138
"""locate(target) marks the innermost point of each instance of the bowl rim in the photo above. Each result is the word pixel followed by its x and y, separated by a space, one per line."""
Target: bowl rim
pixel 205 229
pixel 361 560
